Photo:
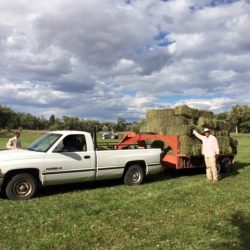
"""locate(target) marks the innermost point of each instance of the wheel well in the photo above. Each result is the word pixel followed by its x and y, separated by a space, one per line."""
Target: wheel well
pixel 33 171
pixel 141 163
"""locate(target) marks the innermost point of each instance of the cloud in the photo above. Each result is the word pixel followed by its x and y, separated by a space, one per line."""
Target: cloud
pixel 104 59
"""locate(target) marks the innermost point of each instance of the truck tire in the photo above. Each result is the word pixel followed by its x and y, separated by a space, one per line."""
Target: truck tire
pixel 134 175
pixel 21 187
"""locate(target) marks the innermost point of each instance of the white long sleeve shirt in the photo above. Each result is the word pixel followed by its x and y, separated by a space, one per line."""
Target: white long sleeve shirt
pixel 13 143
pixel 210 146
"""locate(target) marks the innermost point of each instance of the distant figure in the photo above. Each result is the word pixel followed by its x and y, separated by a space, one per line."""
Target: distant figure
pixel 210 149
pixel 14 142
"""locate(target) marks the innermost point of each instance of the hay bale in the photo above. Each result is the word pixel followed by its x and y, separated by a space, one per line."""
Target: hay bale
pixel 170 121
pixel 159 114
pixel 190 145
pixel 186 111
pixel 204 122
pixel 182 120
pixel 233 145
pixel 224 144
pixel 221 133
pixel 179 130
pixel 206 114
pixel 222 125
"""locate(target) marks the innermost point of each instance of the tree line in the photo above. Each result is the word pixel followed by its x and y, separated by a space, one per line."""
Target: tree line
pixel 238 117
pixel 9 119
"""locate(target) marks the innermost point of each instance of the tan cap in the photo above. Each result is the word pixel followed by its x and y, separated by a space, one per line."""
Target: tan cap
pixel 206 130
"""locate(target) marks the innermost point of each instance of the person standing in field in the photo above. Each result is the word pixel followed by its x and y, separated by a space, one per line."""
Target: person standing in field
pixel 210 149
pixel 14 142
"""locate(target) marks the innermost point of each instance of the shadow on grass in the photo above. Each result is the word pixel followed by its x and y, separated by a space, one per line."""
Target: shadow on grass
pixel 235 171
pixel 241 222
pixel 173 173
pixel 168 174
pixel 67 188
pixel 241 165
pixel 73 187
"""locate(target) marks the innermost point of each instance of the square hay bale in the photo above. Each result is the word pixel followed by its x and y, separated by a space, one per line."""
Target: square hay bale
pixel 186 111
pixel 204 122
pixel 159 114
pixel 223 125
pixel 206 114
pixel 221 133
pixel 190 146
pixel 179 130
pixel 224 144
pixel 233 145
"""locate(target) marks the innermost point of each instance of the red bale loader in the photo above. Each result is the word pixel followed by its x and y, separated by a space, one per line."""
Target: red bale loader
pixel 171 156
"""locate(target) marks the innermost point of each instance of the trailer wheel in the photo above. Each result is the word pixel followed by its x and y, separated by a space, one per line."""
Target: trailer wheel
pixel 226 165
pixel 21 187
pixel 218 166
pixel 134 175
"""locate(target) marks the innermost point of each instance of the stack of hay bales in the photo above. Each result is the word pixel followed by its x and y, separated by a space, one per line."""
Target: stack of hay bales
pixel 181 121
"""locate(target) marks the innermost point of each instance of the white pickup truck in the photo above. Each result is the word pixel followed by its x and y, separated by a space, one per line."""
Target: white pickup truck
pixel 60 157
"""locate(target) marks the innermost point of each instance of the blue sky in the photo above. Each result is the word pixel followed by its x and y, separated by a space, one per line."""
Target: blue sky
pixel 104 59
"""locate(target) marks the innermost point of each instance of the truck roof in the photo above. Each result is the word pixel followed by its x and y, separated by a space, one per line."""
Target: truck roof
pixel 68 132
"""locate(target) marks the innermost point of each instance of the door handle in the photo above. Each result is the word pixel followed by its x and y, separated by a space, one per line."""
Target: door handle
pixel 54 168
pixel 87 157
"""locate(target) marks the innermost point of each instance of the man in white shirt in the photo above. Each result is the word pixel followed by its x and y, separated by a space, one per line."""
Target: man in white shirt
pixel 210 149
pixel 14 142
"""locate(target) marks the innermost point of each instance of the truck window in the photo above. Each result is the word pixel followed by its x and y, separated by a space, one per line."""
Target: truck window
pixel 44 143
pixel 73 143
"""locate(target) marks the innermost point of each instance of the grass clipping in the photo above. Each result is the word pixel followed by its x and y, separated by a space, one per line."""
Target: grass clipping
pixel 182 120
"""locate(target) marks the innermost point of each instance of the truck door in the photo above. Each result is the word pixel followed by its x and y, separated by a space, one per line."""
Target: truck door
pixel 70 161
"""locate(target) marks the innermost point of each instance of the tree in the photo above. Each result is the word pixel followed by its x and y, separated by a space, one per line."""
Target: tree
pixel 238 115
pixel 245 127
pixel 6 117
pixel 121 124
pixel 137 126
pixel 222 116
pixel 105 128
pixel 71 123
pixel 52 120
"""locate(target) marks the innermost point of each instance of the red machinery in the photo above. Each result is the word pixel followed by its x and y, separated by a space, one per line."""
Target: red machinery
pixel 172 158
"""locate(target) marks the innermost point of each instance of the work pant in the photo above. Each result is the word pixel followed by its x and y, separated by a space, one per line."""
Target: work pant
pixel 211 170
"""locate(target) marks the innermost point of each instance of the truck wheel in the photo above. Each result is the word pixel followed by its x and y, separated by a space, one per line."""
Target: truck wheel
pixel 21 187
pixel 134 175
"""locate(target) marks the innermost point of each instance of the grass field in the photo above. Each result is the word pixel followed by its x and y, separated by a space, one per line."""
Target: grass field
pixel 171 211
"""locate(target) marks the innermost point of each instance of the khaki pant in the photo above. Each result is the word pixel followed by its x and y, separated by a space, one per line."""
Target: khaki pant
pixel 211 171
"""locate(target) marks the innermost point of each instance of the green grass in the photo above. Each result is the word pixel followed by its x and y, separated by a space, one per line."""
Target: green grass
pixel 27 137
pixel 175 211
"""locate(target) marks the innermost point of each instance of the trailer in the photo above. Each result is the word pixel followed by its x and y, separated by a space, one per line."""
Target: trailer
pixel 171 156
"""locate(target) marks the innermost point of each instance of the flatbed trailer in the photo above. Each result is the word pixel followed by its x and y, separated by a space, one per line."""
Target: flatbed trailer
pixel 171 156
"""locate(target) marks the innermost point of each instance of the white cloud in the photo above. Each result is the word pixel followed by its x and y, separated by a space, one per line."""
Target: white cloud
pixel 222 75
pixel 101 59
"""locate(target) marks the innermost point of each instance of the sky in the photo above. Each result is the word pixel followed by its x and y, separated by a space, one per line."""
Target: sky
pixel 104 59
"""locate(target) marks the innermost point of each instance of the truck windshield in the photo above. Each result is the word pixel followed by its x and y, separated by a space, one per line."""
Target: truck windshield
pixel 44 143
